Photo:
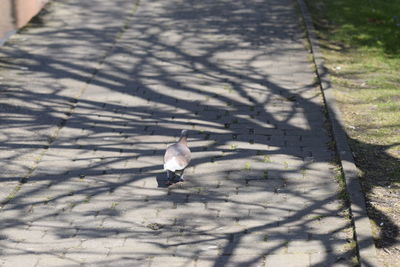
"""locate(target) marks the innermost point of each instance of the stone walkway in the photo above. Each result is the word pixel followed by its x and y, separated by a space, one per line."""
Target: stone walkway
pixel 90 100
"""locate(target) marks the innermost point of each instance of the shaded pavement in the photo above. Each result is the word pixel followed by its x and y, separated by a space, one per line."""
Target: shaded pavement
pixel 91 98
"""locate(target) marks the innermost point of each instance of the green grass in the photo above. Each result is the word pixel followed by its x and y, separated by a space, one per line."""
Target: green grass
pixel 247 166
pixel 233 146
pixel 267 159
pixel 285 165
pixel 265 238
pixel 367 24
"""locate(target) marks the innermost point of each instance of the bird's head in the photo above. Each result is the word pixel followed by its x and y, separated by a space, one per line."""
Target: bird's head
pixel 183 138
pixel 184 133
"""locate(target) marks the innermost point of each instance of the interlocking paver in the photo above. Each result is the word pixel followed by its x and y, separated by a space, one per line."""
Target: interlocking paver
pixel 89 132
pixel 295 260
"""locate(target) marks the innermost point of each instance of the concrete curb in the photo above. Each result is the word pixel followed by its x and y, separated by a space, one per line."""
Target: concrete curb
pixel 362 227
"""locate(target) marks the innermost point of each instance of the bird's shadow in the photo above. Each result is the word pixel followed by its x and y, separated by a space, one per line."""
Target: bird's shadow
pixel 162 180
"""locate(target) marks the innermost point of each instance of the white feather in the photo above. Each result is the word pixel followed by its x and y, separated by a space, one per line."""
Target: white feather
pixel 173 165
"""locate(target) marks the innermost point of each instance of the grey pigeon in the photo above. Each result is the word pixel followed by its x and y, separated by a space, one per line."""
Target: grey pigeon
pixel 177 158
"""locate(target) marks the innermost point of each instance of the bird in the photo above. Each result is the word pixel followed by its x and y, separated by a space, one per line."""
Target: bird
pixel 177 158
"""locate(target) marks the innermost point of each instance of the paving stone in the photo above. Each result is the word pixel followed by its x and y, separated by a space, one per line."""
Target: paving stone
pixel 231 260
pixel 330 259
pixel 53 260
pixel 122 261
pixel 80 255
pixel 26 259
pixel 172 261
pixel 295 260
